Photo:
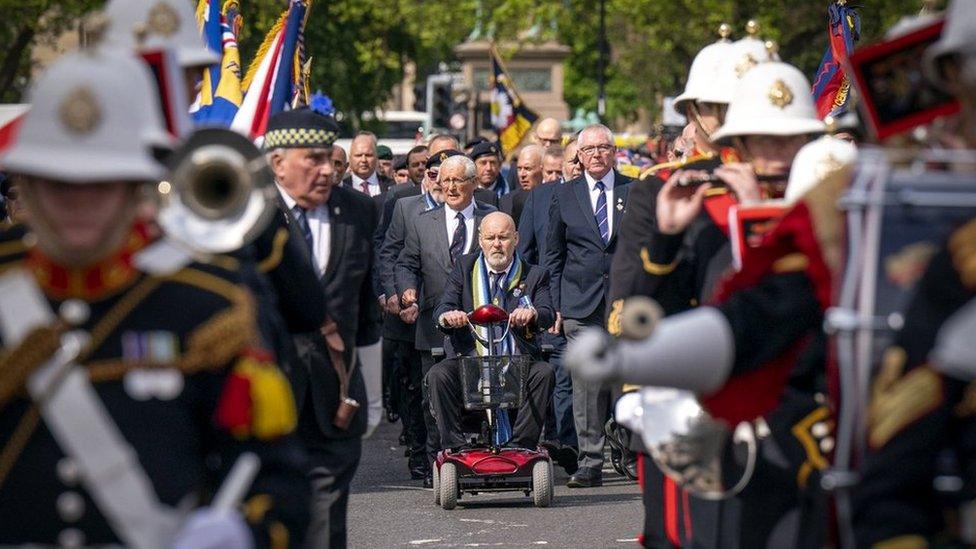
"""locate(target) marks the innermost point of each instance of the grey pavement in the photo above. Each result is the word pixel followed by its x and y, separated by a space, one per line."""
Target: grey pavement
pixel 388 509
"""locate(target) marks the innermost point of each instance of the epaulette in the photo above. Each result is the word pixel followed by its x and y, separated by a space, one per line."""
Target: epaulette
pixel 675 165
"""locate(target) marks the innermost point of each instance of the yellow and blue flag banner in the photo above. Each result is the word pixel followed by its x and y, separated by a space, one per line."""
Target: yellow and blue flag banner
pixel 510 117
pixel 220 93
pixel 275 78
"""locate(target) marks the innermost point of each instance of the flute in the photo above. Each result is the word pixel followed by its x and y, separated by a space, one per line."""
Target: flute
pixel 714 179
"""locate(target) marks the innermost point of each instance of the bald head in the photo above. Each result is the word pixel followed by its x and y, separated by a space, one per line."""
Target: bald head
pixel 441 142
pixel 529 167
pixel 498 239
pixel 363 155
pixel 548 132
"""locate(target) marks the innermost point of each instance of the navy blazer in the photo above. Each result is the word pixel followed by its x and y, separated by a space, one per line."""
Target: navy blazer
pixel 533 225
pixel 576 256
pixel 457 297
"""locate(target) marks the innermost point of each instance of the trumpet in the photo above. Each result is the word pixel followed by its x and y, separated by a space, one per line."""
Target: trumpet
pixel 220 193
pixel 716 180
pixel 697 451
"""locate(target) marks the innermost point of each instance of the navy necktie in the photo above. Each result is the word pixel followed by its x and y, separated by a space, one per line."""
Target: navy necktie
pixel 302 220
pixel 601 212
pixel 457 243
pixel 496 288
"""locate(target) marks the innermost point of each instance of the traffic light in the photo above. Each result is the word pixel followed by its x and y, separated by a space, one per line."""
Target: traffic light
pixel 420 97
pixel 442 105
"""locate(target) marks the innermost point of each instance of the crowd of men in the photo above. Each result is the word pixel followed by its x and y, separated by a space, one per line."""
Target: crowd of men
pixel 140 383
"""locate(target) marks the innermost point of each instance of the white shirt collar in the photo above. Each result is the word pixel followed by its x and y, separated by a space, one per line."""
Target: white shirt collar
pixel 373 179
pixel 608 180
pixel 289 201
pixel 504 273
pixel 468 211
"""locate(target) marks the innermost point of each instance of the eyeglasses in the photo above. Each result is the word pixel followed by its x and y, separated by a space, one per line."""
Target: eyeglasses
pixel 448 183
pixel 596 148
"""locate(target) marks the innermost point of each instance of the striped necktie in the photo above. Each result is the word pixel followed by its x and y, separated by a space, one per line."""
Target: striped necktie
pixel 460 235
pixel 302 220
pixel 601 212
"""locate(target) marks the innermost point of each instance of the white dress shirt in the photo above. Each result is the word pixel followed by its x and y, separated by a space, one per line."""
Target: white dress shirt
pixel 608 180
pixel 320 227
pixel 373 181
pixel 450 217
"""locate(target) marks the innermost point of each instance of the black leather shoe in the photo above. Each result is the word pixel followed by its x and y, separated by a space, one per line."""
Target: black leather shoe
pixel 585 478
pixel 418 472
pixel 429 480
pixel 564 456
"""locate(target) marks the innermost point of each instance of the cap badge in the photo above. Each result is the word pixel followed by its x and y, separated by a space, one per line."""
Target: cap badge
pixel 780 94
pixel 79 111
pixel 163 20
pixel 443 157
pixel 748 62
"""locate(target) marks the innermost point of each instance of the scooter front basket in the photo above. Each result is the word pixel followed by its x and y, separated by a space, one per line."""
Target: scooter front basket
pixel 490 382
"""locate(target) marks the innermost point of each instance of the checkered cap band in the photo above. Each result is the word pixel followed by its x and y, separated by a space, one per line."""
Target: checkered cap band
pixel 299 138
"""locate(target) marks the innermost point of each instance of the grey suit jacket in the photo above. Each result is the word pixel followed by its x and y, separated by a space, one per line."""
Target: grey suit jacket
pixel 424 265
pixel 405 209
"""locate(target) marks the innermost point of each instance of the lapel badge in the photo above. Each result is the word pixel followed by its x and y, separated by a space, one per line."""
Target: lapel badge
pixel 79 111
pixel 517 292
pixel 780 94
pixel 163 20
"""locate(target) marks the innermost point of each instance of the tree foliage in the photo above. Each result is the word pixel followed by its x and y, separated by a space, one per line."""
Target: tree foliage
pixel 360 47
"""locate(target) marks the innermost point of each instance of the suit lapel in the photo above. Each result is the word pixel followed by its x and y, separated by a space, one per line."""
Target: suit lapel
pixel 582 190
pixel 438 225
pixel 337 233
pixel 619 198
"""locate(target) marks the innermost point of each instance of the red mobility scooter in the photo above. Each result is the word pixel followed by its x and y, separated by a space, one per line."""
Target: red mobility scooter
pixel 491 383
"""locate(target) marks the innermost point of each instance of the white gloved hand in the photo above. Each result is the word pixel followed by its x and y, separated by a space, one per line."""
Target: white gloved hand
pixel 955 345
pixel 207 528
pixel 590 356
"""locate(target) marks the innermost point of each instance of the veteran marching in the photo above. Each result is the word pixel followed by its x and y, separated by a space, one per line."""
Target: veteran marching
pixel 205 319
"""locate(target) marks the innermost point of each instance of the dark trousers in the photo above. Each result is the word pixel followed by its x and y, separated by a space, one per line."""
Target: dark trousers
pixel 427 362
pixel 444 386
pixel 408 376
pixel 332 463
pixel 562 427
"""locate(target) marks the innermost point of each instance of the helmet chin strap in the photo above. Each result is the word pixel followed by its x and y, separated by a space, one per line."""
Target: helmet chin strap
pixel 50 243
pixel 696 117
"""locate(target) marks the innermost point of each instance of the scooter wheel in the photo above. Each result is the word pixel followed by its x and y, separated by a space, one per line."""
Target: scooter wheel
pixel 436 478
pixel 542 488
pixel 448 487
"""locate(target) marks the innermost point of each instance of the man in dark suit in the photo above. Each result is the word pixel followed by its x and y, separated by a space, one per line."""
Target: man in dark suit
pixel 398 336
pixel 434 241
pixel 488 164
pixel 363 162
pixel 336 224
pixel 523 291
pixel 534 231
pixel 583 219
pixel 529 166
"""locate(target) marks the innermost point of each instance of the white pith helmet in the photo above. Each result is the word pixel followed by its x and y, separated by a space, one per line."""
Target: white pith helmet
pixel 772 99
pixel 817 161
pixel 94 117
pixel 706 73
pixel 140 25
pixel 958 38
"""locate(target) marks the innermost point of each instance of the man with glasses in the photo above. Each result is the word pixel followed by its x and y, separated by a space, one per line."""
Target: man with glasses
pixel 548 133
pixel 433 243
pixel 583 221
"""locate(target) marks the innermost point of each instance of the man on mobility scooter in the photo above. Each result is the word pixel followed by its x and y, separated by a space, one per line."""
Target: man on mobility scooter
pixel 494 276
